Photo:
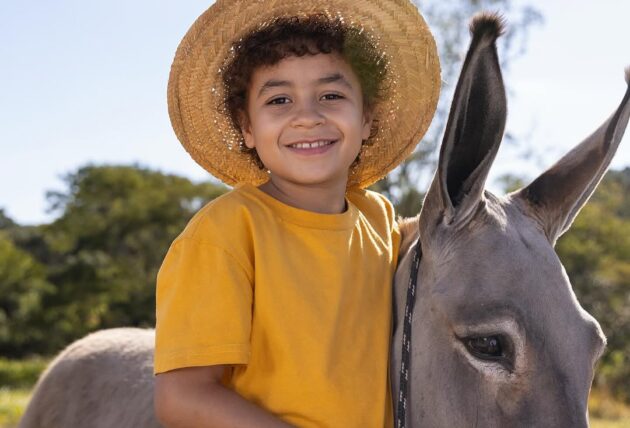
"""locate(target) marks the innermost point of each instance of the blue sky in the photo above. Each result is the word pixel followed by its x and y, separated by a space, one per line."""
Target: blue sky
pixel 86 82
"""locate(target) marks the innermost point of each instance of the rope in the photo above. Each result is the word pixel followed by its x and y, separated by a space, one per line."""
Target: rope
pixel 406 340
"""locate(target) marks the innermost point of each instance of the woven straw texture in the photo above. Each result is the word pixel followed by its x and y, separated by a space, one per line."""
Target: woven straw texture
pixel 196 93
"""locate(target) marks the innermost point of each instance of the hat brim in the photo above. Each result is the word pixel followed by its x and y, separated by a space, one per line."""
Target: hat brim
pixel 196 93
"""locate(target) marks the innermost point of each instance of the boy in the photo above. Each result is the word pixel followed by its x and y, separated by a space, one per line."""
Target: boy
pixel 274 304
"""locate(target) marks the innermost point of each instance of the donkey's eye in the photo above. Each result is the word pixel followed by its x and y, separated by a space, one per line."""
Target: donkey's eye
pixel 491 346
pixel 495 348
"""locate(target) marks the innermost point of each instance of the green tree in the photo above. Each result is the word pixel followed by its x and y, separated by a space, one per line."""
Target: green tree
pixel 5 221
pixel 596 255
pixel 448 21
pixel 22 288
pixel 103 252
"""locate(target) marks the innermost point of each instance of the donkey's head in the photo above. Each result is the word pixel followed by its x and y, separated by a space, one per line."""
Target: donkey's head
pixel 499 338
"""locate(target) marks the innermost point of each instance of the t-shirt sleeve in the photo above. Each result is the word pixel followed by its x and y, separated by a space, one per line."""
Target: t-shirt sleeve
pixel 396 240
pixel 393 228
pixel 203 307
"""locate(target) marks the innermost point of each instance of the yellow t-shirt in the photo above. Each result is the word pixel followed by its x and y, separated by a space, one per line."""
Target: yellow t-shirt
pixel 299 302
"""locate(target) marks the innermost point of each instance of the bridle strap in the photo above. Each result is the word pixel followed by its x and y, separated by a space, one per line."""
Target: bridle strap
pixel 406 339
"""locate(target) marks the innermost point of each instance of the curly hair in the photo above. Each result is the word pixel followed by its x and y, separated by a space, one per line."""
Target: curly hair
pixel 300 36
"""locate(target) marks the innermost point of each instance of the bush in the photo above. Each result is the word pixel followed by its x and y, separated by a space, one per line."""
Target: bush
pixel 21 373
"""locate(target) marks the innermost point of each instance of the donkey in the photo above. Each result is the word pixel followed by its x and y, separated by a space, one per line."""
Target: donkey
pixel 498 338
pixel 103 380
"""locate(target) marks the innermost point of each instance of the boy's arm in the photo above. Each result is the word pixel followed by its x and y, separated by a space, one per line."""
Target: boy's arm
pixel 195 397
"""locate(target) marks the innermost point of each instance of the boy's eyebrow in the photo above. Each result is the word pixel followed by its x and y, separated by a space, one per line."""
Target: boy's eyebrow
pixel 335 77
pixel 273 84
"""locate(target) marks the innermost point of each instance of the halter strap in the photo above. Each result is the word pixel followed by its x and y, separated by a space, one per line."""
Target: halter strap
pixel 406 340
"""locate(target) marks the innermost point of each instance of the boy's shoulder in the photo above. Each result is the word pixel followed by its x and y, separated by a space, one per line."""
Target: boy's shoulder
pixel 376 210
pixel 233 214
pixel 223 215
pixel 371 203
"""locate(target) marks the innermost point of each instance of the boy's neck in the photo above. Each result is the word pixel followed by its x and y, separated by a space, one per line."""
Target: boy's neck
pixel 320 199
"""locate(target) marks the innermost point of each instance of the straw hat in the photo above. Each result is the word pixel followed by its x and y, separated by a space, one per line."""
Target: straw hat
pixel 196 91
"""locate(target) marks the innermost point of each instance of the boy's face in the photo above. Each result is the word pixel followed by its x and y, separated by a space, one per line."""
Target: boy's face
pixel 305 118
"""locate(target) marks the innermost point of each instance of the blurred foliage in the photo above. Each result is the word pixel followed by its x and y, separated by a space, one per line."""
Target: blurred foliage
pixel 101 256
pixel 21 373
pixel 511 182
pixel 449 21
pixel 596 255
pixel 604 407
pixel 12 405
pixel 22 287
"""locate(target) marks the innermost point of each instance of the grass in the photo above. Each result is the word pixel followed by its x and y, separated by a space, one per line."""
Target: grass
pixel 12 405
pixel 606 412
pixel 605 423
pixel 21 373
pixel 18 377
pixel 615 415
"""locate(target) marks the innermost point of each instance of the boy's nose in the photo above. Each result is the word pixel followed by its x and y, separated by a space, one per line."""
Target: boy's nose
pixel 308 116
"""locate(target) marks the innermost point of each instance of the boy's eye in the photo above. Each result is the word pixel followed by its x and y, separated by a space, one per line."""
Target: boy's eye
pixel 332 97
pixel 278 101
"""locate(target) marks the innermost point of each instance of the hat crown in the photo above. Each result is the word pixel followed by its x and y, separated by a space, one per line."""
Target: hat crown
pixel 196 93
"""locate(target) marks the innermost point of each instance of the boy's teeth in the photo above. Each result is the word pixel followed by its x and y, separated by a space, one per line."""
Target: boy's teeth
pixel 312 145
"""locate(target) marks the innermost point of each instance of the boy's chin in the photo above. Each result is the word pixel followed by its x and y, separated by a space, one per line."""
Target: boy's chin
pixel 313 179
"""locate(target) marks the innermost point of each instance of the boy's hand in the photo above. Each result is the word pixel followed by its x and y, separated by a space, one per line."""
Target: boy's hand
pixel 195 397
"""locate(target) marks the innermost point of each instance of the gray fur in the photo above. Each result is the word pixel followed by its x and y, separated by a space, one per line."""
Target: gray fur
pixel 104 380
pixel 488 267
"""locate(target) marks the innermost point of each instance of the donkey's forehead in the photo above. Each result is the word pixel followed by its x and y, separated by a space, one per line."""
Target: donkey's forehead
pixel 501 233
pixel 500 255
pixel 503 266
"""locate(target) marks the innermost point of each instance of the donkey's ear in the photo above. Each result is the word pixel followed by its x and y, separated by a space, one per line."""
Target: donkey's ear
pixel 473 132
pixel 557 196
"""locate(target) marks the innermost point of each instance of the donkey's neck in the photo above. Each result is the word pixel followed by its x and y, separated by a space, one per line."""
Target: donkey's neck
pixel 409 231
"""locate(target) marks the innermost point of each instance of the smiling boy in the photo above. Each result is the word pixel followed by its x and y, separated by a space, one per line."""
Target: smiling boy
pixel 306 120
pixel 274 304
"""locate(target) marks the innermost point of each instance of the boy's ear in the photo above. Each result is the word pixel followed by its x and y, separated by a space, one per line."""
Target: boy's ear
pixel 244 125
pixel 368 120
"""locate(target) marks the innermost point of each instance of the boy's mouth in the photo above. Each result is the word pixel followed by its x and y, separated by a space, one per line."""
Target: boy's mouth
pixel 312 145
